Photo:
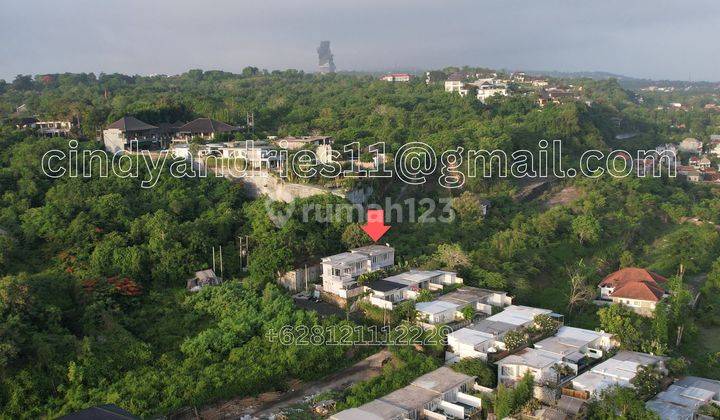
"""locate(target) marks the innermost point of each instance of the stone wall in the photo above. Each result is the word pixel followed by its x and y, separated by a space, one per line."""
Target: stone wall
pixel 333 299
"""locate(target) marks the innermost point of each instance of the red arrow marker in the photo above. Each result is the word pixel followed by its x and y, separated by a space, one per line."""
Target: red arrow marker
pixel 375 227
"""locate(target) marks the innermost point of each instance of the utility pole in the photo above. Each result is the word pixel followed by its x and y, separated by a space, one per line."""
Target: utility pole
pixel 221 262
pixel 213 258
pixel 247 252
pixel 306 278
pixel 244 251
pixel 240 250
pixel 250 121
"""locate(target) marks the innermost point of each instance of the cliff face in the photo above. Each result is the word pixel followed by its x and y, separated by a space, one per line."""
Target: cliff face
pixel 277 190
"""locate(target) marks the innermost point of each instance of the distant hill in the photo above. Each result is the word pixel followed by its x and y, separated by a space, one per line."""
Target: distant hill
pixel 597 75
pixel 627 81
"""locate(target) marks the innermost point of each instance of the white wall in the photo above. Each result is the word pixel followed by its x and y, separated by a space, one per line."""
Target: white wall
pixel 383 260
pixel 380 302
pixel 445 316
pixel 113 141
pixel 469 400
pixel 454 410
pixel 606 291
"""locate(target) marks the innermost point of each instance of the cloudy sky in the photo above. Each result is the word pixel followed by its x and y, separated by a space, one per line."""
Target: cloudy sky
pixel 642 38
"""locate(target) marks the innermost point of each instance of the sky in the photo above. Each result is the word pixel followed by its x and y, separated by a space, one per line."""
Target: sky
pixel 658 39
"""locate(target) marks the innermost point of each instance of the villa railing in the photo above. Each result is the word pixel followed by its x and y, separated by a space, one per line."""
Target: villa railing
pixel 575 393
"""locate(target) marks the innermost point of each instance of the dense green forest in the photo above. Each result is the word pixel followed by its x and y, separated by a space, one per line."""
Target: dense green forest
pixel 93 307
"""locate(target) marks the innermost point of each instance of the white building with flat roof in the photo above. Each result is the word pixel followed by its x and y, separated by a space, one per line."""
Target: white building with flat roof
pixel 437 312
pixel 486 336
pixel 440 394
pixel 481 300
pixel 431 280
pixel 257 154
pixel 618 370
pixel 569 340
pixel 519 315
pixel 340 272
pixel 396 77
pixel 487 88
pixel 381 256
pixel 540 364
pixel 296 143
pixel 683 399
pixel 53 128
pixel 571 347
pixel 449 307
pixel 456 83
pixel 386 292
pixel 470 342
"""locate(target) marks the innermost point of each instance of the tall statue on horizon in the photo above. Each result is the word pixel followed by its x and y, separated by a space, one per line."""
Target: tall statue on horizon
pixel 325 58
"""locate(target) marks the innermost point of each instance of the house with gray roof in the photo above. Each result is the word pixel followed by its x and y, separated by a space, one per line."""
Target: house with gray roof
pixel 570 347
pixel 129 132
pixel 683 399
pixel 449 307
pixel 442 393
pixel 204 128
pixel 485 337
pixel 386 292
pixel 618 370
pixel 202 279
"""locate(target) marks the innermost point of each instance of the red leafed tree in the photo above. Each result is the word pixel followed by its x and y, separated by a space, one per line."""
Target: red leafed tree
pixel 89 285
pixel 125 286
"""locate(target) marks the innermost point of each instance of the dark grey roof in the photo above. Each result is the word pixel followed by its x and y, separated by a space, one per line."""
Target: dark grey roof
pixel 456 77
pixel 101 412
pixel 385 285
pixel 206 125
pixel 492 327
pixel 27 120
pixel 571 405
pixel 550 413
pixel 170 127
pixel 131 124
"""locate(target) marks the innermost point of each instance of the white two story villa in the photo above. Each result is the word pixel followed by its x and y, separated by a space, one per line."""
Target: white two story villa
pixel 340 272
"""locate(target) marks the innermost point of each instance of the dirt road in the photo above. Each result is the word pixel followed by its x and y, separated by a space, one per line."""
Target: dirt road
pixel 272 403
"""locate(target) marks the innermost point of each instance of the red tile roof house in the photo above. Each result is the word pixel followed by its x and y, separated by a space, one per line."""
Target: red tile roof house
pixel 636 288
